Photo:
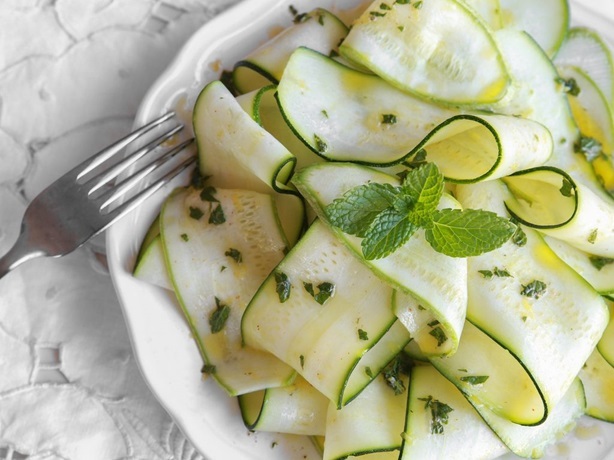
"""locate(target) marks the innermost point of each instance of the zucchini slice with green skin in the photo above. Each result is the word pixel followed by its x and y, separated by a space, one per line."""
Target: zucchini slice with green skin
pixel 236 152
pixel 346 115
pixel 324 313
pixel 233 149
pixel 548 199
pixel 436 281
pixel 488 10
pixel 440 421
pixel 218 253
pixel 439 50
pixel 297 408
pixel 597 376
pixel 477 357
pixel 371 424
pixel 319 30
pixel 532 441
pixel 531 302
pixel 264 109
pixel 539 95
pixel 593 115
pixel 151 266
pixel 598 271
pixel 606 344
pixel 507 388
pixel 585 49
pixel 547 21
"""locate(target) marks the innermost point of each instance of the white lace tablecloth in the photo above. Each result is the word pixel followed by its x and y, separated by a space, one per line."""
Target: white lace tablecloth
pixel 72 74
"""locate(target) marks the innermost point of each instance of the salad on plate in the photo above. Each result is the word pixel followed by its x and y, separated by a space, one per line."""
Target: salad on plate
pixel 399 239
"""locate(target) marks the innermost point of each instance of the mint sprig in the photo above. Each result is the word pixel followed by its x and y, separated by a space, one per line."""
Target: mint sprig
pixel 386 216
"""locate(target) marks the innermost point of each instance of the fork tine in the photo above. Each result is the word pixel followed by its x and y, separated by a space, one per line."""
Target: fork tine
pixel 141 196
pixel 125 186
pixel 105 177
pixel 113 149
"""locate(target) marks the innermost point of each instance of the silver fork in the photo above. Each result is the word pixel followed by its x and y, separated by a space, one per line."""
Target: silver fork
pixel 91 196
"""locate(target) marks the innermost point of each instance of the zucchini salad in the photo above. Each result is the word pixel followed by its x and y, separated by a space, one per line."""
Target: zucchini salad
pixel 399 239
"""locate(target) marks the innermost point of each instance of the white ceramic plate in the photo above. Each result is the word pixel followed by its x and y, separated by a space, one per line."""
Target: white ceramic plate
pixel 166 353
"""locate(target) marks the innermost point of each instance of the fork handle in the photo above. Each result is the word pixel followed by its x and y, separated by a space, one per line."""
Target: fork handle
pixel 18 254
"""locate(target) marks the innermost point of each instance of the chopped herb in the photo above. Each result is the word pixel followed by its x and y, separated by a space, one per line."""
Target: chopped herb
pixel 333 54
pixel 219 316
pixel 274 444
pixel 369 372
pixel 185 237
pixel 590 147
pixel 433 323
pixel 384 6
pixel 418 5
pixel 567 188
pixel 293 10
pixel 321 146
pixel 593 236
pixel 324 291
pixel 418 159
pixel 207 194
pixel 439 335
pixel 400 365
pixel 501 273
pixel 325 113
pixel 362 334
pixel 389 118
pixel 217 216
pixel 320 19
pixel 301 17
pixel 600 262
pixel 524 319
pixel 519 238
pixel 421 308
pixel 198 180
pixel 376 14
pixel 283 286
pixel 439 413
pixel 302 361
pixel 534 289
pixel 208 369
pixel 309 288
pixel 401 28
pixel 222 268
pixel 474 379
pixel 570 86
pixel 196 213
pixel 234 254
pixel 463 370
pixel 402 2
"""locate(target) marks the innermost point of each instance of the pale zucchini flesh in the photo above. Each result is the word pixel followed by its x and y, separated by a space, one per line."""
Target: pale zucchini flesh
pixel 597 376
pixel 151 266
pixel 422 438
pixel 208 276
pixel 537 306
pixel 437 281
pixel 297 408
pixel 329 342
pixel 319 30
pixel 415 49
pixel 345 115
pixel 370 425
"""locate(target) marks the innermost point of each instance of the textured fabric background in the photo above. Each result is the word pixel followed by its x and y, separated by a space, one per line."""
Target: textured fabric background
pixel 72 74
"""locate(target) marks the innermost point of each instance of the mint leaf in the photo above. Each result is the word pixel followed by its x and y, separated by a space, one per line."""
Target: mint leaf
pixel 468 232
pixel 424 185
pixel 389 231
pixel 354 212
